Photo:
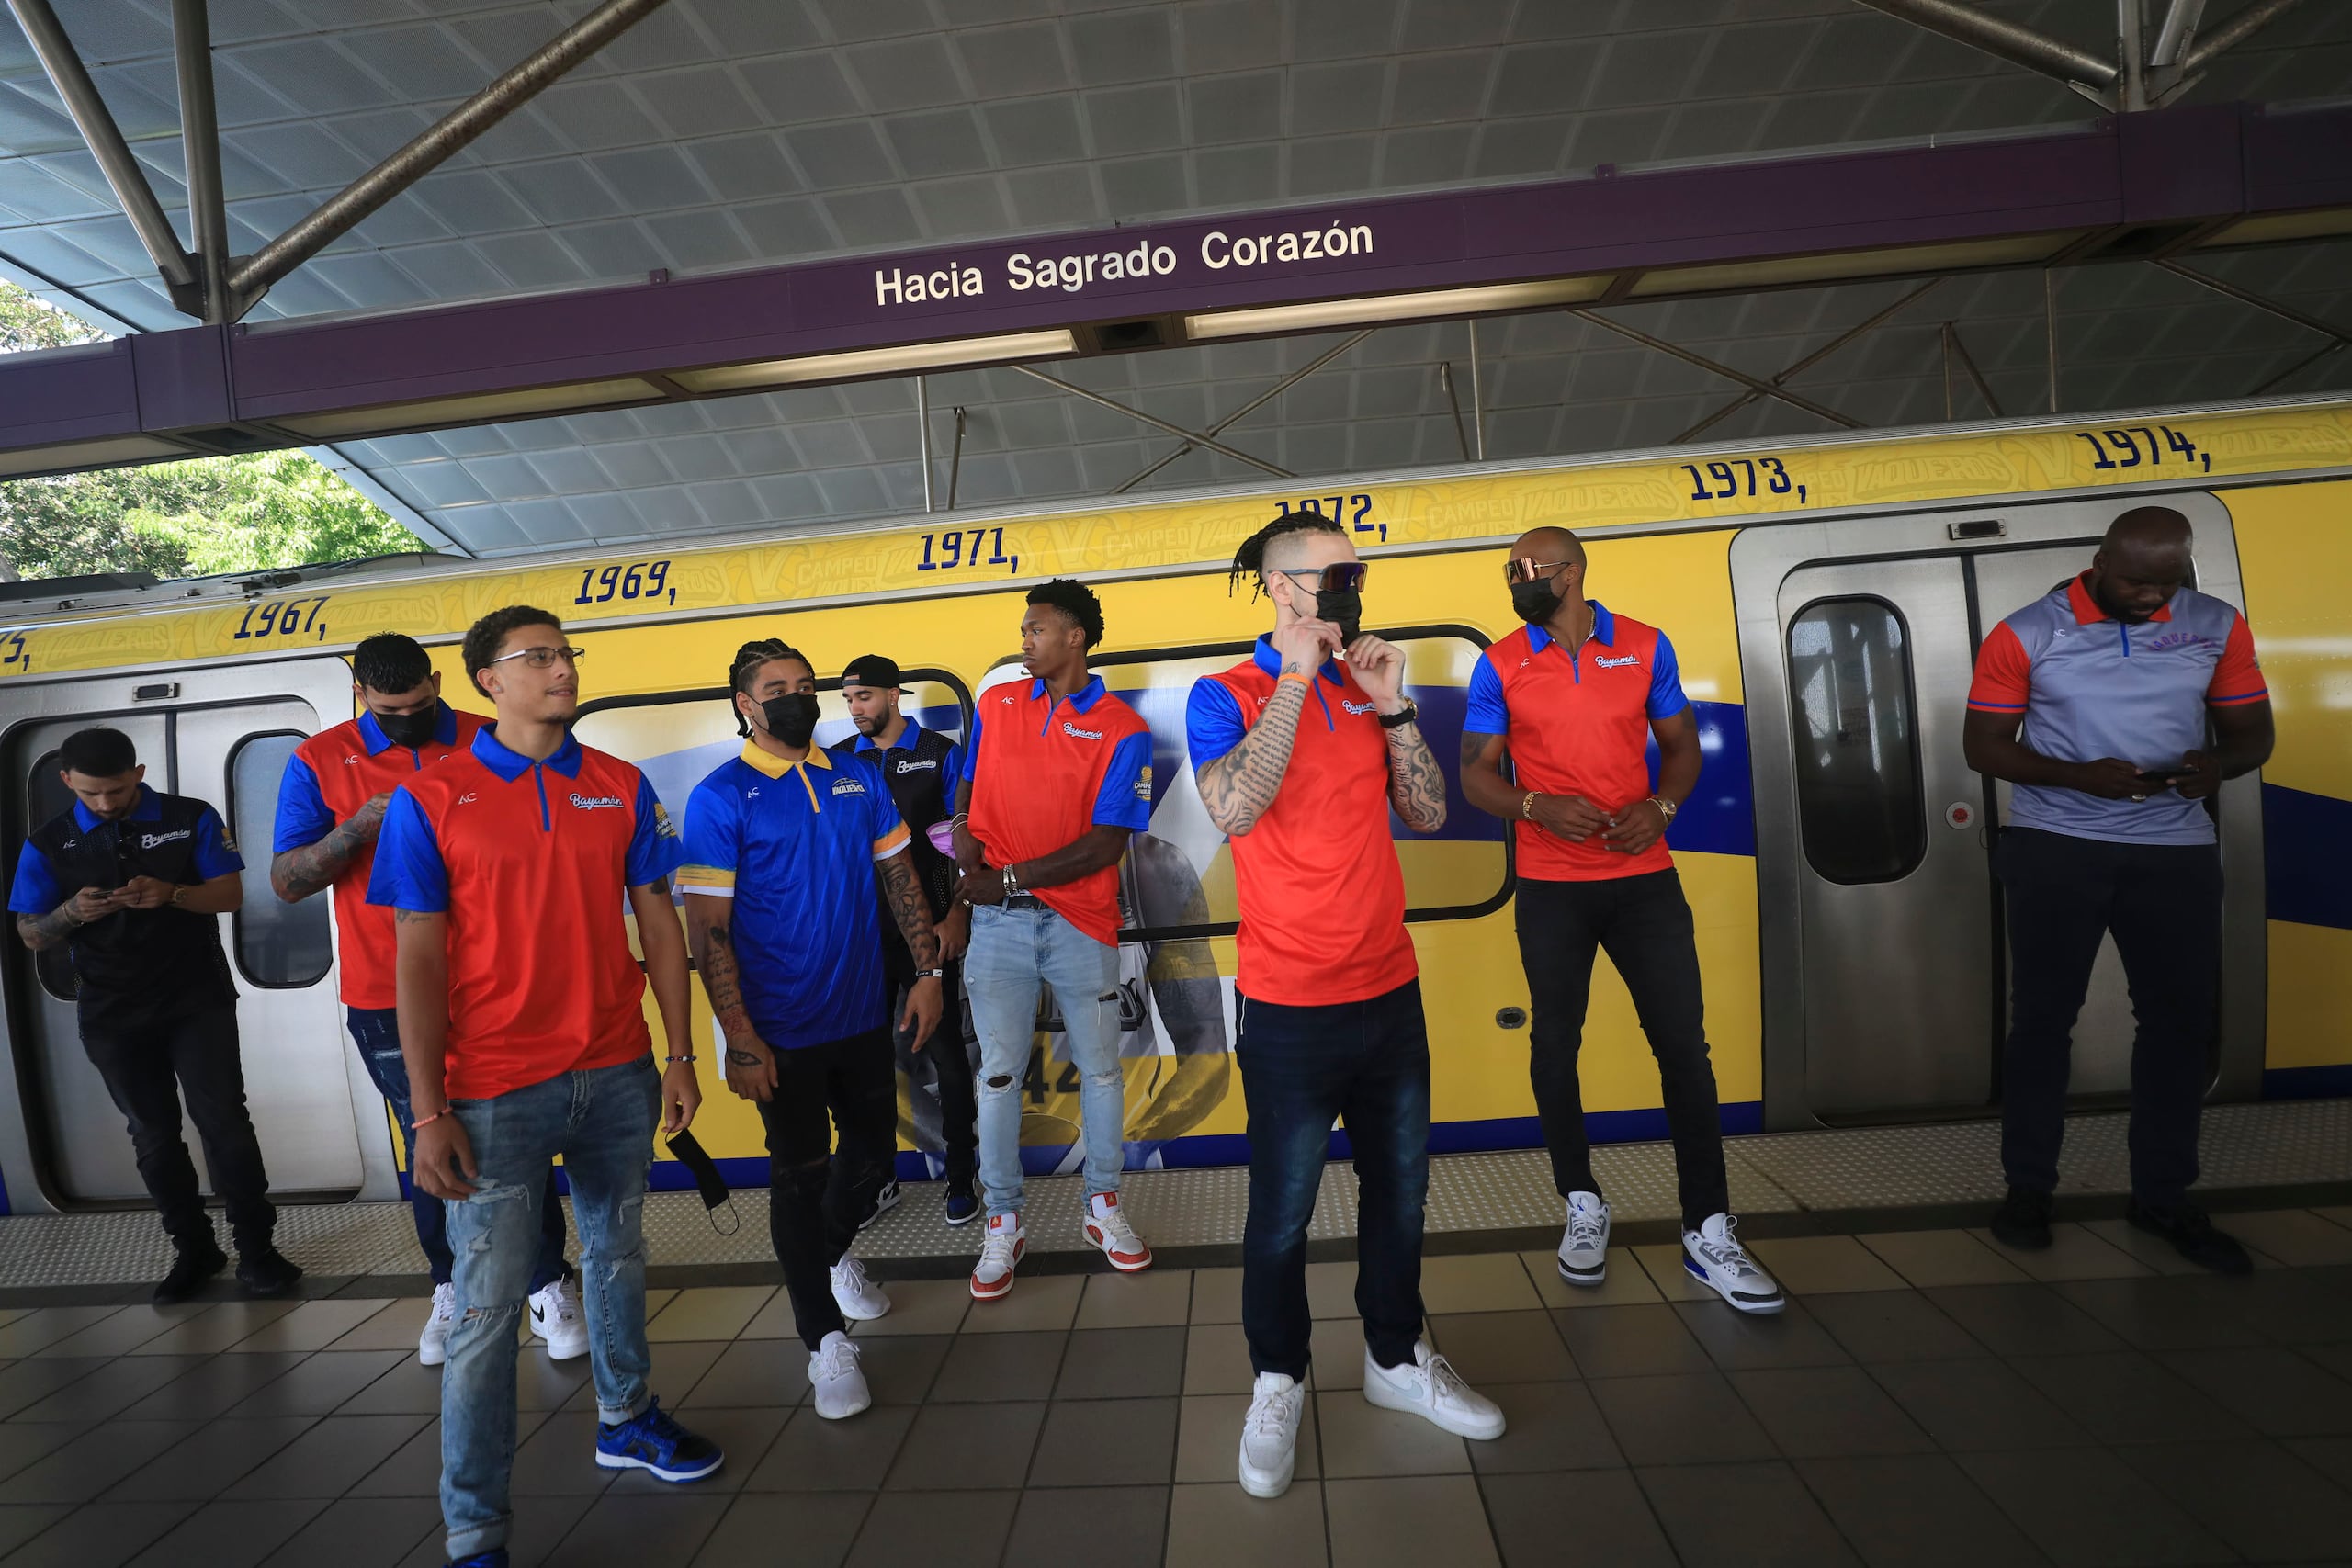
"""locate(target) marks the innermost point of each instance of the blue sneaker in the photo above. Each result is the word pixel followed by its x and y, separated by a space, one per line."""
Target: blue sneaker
pixel 495 1558
pixel 963 1208
pixel 654 1442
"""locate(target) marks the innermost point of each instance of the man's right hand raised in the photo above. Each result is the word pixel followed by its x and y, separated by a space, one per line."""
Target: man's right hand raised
pixel 1303 645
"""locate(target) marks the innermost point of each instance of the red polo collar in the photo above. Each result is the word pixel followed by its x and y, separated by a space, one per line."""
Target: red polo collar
pixel 2087 610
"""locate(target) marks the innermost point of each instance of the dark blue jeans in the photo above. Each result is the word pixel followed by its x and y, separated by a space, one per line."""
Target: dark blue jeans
pixel 376 1033
pixel 1302 1068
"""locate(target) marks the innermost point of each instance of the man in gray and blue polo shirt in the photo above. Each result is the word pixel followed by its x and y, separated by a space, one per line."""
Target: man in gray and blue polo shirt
pixel 2116 704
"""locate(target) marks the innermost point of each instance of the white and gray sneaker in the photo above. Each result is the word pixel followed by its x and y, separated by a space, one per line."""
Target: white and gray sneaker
pixel 557 1317
pixel 1584 1249
pixel 1430 1388
pixel 432 1339
pixel 886 1198
pixel 1270 1435
pixel 1715 1260
pixel 860 1299
pixel 836 1382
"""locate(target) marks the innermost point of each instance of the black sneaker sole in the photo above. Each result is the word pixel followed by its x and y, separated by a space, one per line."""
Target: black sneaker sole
pixel 2023 1241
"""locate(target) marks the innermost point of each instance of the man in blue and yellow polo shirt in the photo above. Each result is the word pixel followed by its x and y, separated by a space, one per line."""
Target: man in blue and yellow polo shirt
pixel 780 847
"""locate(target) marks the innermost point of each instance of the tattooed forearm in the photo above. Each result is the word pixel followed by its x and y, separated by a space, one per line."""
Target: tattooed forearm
pixel 902 891
pixel 1238 787
pixel 43 931
pixel 721 980
pixel 1415 788
pixel 299 873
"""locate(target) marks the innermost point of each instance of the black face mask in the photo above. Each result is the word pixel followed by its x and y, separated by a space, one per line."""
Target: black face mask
pixel 1343 607
pixel 791 718
pixel 1536 602
pixel 408 728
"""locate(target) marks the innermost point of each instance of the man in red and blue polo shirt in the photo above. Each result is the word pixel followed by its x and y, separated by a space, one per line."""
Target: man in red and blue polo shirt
pixel 330 808
pixel 1057 778
pixel 522 1017
pixel 1570 703
pixel 1300 752
pixel 2096 701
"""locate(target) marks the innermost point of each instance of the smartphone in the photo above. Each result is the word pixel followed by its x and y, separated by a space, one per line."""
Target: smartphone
pixel 2161 779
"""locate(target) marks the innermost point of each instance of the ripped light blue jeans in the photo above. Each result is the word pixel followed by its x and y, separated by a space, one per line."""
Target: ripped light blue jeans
pixel 602 1123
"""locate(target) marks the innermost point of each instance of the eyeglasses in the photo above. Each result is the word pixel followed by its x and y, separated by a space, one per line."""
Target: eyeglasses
pixel 1527 569
pixel 544 658
pixel 1340 577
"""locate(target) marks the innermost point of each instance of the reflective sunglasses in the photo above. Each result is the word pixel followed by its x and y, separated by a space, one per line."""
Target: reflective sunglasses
pixel 1340 577
pixel 1527 569
pixel 544 658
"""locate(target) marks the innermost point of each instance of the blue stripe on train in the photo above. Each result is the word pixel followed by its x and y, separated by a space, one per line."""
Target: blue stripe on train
pixel 2306 845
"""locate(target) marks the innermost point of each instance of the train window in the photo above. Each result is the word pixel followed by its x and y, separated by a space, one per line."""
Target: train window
pixel 1861 806
pixel 47 797
pixel 279 945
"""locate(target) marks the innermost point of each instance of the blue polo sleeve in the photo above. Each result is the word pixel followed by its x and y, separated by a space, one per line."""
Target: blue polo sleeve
pixel 1211 722
pixel 216 852
pixel 36 891
pixel 302 815
pixel 1666 682
pixel 970 755
pixel 409 872
pixel 1125 799
pixel 713 841
pixel 654 848
pixel 955 758
pixel 1489 714
pixel 886 830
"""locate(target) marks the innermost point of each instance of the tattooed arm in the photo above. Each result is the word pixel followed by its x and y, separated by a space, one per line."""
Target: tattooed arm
pixel 910 906
pixel 1239 787
pixel 750 1065
pixel 297 873
pixel 1415 788
pixel 44 932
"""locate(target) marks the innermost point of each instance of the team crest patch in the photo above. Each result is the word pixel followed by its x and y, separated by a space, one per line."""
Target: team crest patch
pixel 1617 663
pixel 1143 783
pixel 848 786
pixel 661 826
pixel 598 802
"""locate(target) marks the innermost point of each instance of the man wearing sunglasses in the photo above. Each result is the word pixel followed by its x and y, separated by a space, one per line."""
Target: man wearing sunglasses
pixel 1569 703
pixel 521 1020
pixel 1301 751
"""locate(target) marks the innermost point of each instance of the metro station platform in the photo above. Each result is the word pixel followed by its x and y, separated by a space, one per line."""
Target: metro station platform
pixel 1928 1397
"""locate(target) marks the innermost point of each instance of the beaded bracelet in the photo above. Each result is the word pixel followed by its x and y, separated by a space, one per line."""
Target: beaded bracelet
pixel 427 1122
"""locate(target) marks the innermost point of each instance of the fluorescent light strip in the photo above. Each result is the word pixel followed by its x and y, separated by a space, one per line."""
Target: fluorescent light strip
pixel 439 413
pixel 1324 313
pixel 1834 265
pixel 896 361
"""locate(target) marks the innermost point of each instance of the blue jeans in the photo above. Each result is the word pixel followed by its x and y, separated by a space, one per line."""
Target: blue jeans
pixel 602 1123
pixel 1012 951
pixel 376 1033
pixel 1302 1068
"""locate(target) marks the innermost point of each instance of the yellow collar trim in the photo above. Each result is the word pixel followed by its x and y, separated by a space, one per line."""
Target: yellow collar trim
pixel 776 767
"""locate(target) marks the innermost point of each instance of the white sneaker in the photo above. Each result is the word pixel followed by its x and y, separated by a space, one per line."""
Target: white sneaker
pixel 1584 1249
pixel 860 1299
pixel 1714 1257
pixel 1106 1228
pixel 432 1339
pixel 557 1317
pixel 836 1380
pixel 885 1200
pixel 1270 1435
pixel 1432 1390
pixel 1001 1250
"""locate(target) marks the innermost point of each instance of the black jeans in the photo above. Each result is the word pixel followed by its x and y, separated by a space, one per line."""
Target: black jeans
pixel 949 1074
pixel 1644 924
pixel 2163 902
pixel 816 1194
pixel 147 1070
pixel 1302 1068
pixel 376 1033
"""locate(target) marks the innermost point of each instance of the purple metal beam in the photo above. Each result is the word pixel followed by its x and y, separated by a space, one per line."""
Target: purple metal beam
pixel 2176 171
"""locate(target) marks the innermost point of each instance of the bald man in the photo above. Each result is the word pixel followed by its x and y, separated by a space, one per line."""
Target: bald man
pixel 1569 704
pixel 2116 704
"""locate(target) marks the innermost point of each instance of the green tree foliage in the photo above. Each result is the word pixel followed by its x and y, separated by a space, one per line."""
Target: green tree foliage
pixel 252 513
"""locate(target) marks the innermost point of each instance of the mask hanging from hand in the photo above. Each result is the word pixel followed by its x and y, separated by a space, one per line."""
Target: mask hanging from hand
pixel 791 718
pixel 410 728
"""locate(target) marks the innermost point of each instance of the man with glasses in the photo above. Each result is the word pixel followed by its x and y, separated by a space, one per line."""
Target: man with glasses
pixel 1569 704
pixel 782 846
pixel 1301 751
pixel 330 808
pixel 522 1020
pixel 1057 779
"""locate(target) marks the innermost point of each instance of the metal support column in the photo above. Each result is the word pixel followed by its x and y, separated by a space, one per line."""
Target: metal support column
pixel 201 148
pixel 2134 90
pixel 2050 329
pixel 956 459
pixel 2003 40
pixel 922 433
pixel 1477 397
pixel 1453 402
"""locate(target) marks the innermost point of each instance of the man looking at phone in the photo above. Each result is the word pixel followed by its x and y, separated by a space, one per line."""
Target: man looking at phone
pixel 133 882
pixel 2095 700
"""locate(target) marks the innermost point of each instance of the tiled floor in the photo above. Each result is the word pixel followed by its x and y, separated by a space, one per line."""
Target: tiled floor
pixel 1928 1399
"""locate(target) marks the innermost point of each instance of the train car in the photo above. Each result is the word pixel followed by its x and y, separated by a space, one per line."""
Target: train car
pixel 1825 596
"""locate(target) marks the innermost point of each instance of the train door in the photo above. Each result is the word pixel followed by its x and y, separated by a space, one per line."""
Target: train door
pixel 1885 978
pixel 223 737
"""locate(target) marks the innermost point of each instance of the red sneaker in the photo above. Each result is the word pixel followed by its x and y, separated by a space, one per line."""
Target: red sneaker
pixel 1106 1228
pixel 1000 1252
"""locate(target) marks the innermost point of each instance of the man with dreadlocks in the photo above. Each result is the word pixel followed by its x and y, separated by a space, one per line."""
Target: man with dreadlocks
pixel 1300 752
pixel 778 844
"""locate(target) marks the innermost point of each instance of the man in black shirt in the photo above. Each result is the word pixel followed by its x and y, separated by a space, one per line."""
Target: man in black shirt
pixel 922 766
pixel 134 882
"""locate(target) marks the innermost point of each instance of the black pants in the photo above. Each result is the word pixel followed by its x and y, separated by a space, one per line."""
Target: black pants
pixel 816 1193
pixel 1644 924
pixel 147 1069
pixel 944 1065
pixel 2163 902
pixel 1366 1064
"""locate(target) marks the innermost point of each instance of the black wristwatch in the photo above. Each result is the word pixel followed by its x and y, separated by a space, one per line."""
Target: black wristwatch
pixel 1402 716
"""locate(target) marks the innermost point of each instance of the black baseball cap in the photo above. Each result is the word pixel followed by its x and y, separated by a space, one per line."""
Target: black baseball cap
pixel 872 670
